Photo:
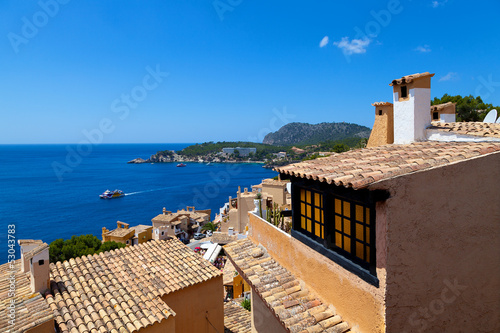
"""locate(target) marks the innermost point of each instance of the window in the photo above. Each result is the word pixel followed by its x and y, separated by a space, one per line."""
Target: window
pixel 404 91
pixel 435 116
pixel 339 223
pixel 311 213
pixel 163 233
pixel 41 262
pixel 379 112
pixel 353 229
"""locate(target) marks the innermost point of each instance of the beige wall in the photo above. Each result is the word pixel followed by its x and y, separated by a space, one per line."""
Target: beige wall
pixel 359 303
pixel 443 238
pixel 245 205
pixel 148 233
pixel 192 304
pixel 263 320
pixel 46 327
pixel 278 192
pixel 39 274
pixel 383 127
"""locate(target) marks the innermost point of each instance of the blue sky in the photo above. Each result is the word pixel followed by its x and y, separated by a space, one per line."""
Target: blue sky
pixel 195 71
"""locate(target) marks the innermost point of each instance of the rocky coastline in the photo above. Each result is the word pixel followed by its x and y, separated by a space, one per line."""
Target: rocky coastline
pixel 176 158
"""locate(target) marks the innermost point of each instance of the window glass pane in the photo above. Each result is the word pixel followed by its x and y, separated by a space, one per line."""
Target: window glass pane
pixel 302 222
pixel 303 195
pixel 322 232
pixel 338 223
pixel 309 225
pixel 322 216
pixel 359 250
pixel 347 227
pixel 359 232
pixel 359 213
pixel 338 239
pixel 308 196
pixel 367 217
pixel 347 244
pixel 303 208
pixel 338 206
pixel 317 214
pixel 347 209
pixel 317 199
pixel 308 211
pixel 317 229
pixel 367 238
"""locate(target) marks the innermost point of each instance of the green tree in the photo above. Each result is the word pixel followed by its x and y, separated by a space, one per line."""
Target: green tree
pixel 210 226
pixel 246 304
pixel 77 246
pixel 468 108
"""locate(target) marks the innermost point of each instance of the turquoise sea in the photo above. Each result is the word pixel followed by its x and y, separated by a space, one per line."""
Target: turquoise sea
pixel 52 191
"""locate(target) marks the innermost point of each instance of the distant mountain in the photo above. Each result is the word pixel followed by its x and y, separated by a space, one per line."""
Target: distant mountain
pixel 304 134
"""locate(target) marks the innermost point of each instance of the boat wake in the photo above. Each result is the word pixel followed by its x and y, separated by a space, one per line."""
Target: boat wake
pixel 168 188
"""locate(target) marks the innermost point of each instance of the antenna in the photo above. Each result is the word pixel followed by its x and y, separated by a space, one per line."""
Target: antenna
pixel 490 117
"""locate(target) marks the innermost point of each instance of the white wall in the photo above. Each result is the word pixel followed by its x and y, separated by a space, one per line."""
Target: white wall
pixel 412 117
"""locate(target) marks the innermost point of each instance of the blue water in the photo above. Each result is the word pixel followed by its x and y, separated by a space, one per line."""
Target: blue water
pixel 47 203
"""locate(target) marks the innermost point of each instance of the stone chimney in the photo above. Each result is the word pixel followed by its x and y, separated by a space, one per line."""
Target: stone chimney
pixel 35 255
pixel 383 127
pixel 412 103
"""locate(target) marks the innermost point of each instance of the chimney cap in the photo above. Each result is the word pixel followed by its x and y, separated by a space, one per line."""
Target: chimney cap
pixel 411 78
pixel 381 103
pixel 36 251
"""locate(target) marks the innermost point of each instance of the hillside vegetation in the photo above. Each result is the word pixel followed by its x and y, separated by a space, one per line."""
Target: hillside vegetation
pixel 309 134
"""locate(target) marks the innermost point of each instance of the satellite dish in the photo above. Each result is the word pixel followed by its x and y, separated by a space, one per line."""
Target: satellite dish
pixel 490 117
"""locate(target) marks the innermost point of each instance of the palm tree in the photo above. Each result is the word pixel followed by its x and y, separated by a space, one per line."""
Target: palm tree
pixel 210 226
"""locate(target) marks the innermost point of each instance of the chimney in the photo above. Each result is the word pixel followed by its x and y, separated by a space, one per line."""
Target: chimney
pixel 36 255
pixel 164 211
pixel 412 103
pixel 383 127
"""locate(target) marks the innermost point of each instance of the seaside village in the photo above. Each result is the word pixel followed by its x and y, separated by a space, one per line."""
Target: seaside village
pixel 400 236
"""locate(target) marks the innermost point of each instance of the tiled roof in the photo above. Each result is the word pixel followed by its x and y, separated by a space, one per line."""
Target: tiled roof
pixel 121 290
pixel 439 107
pixel 411 78
pixel 221 238
pixel 469 128
pixel 30 254
pixel 30 308
pixel 120 232
pixel 381 103
pixel 297 308
pixel 236 319
pixel 362 167
pixel 173 216
pixel 29 241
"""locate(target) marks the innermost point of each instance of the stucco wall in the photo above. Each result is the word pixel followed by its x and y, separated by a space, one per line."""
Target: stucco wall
pixel 277 191
pixel 263 320
pixel 194 304
pixel 443 248
pixel 412 117
pixel 383 127
pixel 359 303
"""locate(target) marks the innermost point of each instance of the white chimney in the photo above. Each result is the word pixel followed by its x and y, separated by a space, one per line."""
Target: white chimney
pixel 35 257
pixel 412 103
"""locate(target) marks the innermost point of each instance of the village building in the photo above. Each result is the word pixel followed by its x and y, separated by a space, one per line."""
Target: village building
pixel 182 224
pixel 393 238
pixel 243 152
pixel 126 235
pixel 159 286
pixel 234 214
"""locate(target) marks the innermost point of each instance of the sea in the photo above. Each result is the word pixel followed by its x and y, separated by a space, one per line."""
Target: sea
pixel 52 191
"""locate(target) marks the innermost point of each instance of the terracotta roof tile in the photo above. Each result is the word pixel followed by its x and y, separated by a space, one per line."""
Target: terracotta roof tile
pixel 30 308
pixel 121 290
pixel 411 78
pixel 469 128
pixel 296 307
pixel 360 168
pixel 236 319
